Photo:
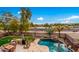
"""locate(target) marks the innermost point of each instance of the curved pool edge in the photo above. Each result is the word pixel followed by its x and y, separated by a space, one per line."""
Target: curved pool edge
pixel 40 48
pixel 44 43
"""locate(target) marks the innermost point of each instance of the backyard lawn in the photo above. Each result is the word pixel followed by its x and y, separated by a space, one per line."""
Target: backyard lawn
pixel 6 39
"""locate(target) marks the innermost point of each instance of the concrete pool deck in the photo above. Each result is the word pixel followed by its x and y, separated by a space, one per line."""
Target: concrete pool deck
pixel 34 47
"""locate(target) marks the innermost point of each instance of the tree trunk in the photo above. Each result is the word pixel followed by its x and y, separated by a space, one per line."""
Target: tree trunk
pixel 27 45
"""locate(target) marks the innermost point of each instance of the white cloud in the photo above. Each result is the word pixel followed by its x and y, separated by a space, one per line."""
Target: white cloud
pixel 40 18
pixel 72 17
pixel 69 19
pixel 18 12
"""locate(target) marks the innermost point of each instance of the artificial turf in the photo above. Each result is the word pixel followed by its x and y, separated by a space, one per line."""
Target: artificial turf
pixel 5 40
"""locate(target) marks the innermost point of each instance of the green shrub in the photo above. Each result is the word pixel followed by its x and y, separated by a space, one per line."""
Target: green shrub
pixel 29 38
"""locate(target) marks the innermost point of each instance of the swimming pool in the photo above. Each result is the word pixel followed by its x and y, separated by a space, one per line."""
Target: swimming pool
pixel 53 45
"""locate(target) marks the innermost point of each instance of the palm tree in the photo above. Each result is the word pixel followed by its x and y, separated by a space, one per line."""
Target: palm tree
pixel 25 21
pixel 25 17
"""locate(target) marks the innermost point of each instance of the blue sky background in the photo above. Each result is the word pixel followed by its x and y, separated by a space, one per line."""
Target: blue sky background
pixel 41 15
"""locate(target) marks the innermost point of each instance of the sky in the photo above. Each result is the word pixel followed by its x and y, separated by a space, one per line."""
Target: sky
pixel 42 15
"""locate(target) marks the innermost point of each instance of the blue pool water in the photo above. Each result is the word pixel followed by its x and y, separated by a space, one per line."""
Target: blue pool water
pixel 53 45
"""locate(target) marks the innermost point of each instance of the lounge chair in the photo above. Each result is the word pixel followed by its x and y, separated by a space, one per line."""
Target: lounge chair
pixel 3 49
